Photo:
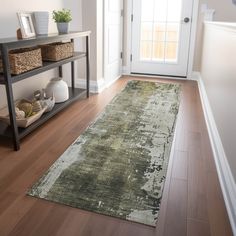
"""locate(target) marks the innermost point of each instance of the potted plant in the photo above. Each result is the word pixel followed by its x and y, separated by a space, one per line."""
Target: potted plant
pixel 62 18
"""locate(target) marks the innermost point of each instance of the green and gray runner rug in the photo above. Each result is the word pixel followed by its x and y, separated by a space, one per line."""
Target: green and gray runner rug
pixel 117 167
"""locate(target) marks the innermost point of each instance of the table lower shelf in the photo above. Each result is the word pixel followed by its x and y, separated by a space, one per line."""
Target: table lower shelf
pixel 5 130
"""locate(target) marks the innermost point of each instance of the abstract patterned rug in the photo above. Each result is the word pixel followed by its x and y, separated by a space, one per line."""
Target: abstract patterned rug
pixel 117 167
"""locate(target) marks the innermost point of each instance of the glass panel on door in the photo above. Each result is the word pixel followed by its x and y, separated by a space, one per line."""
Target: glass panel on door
pixel 160 30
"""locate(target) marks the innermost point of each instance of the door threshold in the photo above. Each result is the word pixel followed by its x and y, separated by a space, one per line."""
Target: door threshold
pixel 159 76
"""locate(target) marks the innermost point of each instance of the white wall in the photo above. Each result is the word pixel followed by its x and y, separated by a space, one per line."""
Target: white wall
pixel 8 9
pixel 9 25
pixel 224 11
pixel 93 21
pixel 100 39
pixel 89 8
pixel 218 72
pixel 75 25
pixel 217 88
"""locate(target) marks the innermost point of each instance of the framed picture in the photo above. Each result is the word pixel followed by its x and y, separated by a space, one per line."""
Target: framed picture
pixel 26 24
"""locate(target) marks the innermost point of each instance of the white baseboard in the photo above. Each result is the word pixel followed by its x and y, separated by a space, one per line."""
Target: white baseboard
pixel 109 83
pixel 195 76
pixel 95 86
pixel 225 175
pixel 125 70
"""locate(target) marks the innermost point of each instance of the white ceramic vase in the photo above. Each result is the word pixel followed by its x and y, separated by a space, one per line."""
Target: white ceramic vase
pixel 57 88
pixel 41 19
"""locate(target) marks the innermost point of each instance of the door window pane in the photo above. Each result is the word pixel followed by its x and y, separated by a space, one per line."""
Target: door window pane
pixel 147 10
pixel 146 50
pixel 159 32
pixel 159 51
pixel 146 31
pixel 174 10
pixel 171 52
pixel 172 32
pixel 160 12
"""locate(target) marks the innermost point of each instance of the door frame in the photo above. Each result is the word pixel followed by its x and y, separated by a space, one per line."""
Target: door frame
pixel 128 38
pixel 105 59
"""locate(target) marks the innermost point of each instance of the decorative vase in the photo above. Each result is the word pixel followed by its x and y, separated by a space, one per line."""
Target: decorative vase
pixel 63 27
pixel 41 19
pixel 58 89
pixel 48 103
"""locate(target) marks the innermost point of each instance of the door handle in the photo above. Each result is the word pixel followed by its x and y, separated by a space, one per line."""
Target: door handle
pixel 186 20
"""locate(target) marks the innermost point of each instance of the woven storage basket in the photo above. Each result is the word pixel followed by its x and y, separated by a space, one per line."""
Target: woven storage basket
pixel 24 59
pixel 21 122
pixel 57 51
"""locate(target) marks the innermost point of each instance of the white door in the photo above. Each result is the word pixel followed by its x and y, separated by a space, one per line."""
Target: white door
pixel 161 37
pixel 113 40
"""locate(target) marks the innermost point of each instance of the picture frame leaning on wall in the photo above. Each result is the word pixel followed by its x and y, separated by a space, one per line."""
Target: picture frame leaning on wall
pixel 26 24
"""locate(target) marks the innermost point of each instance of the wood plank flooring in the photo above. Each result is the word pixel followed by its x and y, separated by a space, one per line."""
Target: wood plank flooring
pixel 192 201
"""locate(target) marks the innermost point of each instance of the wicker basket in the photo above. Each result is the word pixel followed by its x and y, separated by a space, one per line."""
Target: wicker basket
pixel 22 60
pixel 57 51
pixel 21 122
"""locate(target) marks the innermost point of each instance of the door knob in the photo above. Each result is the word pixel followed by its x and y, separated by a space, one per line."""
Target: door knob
pixel 186 19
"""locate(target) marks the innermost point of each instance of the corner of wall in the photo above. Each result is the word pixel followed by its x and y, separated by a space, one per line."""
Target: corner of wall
pixel 195 76
pixel 96 86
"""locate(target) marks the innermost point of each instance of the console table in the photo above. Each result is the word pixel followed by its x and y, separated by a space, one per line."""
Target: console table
pixel 7 80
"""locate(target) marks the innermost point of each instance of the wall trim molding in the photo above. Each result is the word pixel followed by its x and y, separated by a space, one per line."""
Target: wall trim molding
pixel 125 70
pixel 227 183
pixel 95 86
pixel 128 36
pixel 195 76
pixel 209 14
pixel 193 35
pixel 109 83
pixel 226 26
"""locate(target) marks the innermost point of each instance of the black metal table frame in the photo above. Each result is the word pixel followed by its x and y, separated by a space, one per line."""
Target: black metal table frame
pixel 8 79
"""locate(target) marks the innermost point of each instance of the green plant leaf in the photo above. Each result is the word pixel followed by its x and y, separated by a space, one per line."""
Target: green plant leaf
pixel 62 16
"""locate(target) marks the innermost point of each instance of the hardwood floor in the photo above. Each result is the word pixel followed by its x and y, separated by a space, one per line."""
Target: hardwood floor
pixel 192 201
